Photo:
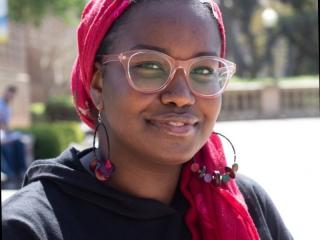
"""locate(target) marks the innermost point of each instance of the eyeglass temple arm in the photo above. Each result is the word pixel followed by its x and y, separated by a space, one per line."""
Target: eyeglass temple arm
pixel 108 58
pixel 230 69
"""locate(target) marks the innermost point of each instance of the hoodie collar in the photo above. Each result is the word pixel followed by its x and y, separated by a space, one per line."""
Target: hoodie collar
pixel 73 179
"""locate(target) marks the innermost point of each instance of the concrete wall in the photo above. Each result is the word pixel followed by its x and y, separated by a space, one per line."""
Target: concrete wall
pixel 13 72
pixel 260 101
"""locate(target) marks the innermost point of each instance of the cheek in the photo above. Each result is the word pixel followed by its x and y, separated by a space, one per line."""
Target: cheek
pixel 211 109
pixel 116 103
pixel 116 90
pixel 122 104
pixel 114 81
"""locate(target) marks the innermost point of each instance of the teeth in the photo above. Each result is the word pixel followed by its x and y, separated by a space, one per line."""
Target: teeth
pixel 176 124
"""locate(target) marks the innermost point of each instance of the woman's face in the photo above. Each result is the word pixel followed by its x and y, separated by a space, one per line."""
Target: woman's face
pixel 170 126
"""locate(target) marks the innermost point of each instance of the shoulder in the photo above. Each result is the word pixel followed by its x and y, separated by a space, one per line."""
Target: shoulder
pixel 26 198
pixel 29 213
pixel 250 189
pixel 262 210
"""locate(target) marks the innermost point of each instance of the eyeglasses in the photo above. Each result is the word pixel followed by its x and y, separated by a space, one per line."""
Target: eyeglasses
pixel 150 71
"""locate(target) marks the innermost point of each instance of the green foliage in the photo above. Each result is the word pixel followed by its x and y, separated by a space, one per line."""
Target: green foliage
pixel 301 4
pixel 51 139
pixel 71 132
pixel 60 108
pixel 254 46
pixel 301 30
pixel 34 10
pixel 37 111
pixel 48 141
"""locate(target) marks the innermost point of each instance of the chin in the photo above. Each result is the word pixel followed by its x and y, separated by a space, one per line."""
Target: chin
pixel 177 157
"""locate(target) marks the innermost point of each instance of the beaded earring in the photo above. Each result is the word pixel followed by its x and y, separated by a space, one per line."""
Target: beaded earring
pixel 216 177
pixel 102 169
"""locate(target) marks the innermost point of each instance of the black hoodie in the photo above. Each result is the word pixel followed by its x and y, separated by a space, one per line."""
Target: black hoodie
pixel 61 200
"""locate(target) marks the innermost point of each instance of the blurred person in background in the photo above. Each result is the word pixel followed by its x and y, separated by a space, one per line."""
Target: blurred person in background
pixel 13 159
pixel 148 78
pixel 5 111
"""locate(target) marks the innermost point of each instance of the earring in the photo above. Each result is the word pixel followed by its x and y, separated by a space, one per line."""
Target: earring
pixel 102 169
pixel 217 178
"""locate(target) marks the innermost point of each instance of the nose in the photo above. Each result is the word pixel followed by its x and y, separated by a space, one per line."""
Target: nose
pixel 178 91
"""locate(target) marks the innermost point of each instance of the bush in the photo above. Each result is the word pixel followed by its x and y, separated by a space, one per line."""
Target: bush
pixel 51 139
pixel 60 108
pixel 37 111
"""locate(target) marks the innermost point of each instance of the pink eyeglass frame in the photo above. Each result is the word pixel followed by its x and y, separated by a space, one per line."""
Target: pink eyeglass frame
pixel 125 57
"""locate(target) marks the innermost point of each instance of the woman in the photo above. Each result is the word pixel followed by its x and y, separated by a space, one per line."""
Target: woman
pixel 149 78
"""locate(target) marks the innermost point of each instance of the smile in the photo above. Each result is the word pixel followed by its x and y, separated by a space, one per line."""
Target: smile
pixel 175 125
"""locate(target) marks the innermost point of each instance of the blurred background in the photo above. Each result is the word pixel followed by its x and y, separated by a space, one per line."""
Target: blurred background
pixel 270 109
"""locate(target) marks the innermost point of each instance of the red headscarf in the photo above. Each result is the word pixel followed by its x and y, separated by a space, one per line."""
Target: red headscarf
pixel 96 19
pixel 215 212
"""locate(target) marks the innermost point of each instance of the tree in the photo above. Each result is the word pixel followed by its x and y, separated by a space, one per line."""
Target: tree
pixel 34 10
pixel 241 40
pixel 48 40
pixel 249 43
pixel 301 31
pixel 252 46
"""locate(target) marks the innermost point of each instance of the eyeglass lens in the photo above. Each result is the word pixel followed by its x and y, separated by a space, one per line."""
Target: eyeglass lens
pixel 149 72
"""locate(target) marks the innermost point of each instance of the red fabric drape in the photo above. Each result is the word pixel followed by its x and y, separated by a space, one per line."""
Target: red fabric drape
pixel 215 212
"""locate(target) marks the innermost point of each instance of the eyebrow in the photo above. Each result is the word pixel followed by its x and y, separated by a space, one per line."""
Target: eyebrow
pixel 163 50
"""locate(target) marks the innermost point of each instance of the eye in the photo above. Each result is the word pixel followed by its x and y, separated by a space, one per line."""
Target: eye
pixel 202 71
pixel 149 66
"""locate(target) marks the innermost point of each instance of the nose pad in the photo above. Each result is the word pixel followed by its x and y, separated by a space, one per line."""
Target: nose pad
pixel 178 91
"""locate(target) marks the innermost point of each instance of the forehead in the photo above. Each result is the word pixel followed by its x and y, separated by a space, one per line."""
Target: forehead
pixel 181 29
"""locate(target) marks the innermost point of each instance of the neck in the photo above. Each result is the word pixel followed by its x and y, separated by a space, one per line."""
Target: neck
pixel 140 177
pixel 154 182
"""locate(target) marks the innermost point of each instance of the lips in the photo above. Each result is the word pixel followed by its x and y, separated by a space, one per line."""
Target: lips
pixel 181 125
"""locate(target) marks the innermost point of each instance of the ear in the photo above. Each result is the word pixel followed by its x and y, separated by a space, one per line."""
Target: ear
pixel 96 87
